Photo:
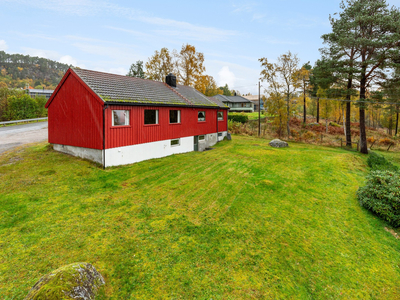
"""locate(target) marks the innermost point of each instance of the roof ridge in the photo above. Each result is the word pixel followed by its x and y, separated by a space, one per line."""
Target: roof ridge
pixel 179 94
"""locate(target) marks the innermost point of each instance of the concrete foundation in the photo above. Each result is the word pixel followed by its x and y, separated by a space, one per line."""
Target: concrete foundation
pixel 87 153
pixel 136 153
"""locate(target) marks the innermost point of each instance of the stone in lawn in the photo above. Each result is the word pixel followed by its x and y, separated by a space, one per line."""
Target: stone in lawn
pixel 277 143
pixel 75 281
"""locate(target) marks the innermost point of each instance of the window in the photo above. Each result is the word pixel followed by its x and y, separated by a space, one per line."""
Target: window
pixel 175 142
pixel 220 116
pixel 150 116
pixel 120 117
pixel 201 137
pixel 219 133
pixel 174 116
pixel 201 116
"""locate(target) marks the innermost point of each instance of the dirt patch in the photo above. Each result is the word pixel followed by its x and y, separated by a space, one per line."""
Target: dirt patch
pixel 392 232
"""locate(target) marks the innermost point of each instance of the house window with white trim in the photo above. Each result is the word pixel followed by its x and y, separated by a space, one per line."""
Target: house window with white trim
pixel 150 116
pixel 220 116
pixel 120 117
pixel 175 142
pixel 174 116
pixel 201 137
pixel 201 116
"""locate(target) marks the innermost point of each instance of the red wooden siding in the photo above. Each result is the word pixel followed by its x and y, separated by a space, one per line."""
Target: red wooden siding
pixel 76 116
pixel 137 132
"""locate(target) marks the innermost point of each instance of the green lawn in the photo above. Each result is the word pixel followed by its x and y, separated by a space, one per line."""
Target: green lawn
pixel 241 221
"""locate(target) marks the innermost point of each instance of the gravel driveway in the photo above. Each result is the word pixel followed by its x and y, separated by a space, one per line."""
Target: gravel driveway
pixel 13 136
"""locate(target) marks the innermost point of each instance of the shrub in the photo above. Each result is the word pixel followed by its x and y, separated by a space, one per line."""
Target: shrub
pixel 308 135
pixel 381 195
pixel 241 118
pixel 385 141
pixel 378 162
pixel 335 130
pixel 371 139
pixel 334 124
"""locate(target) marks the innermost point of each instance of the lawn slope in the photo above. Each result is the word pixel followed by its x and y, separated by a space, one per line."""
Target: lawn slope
pixel 241 221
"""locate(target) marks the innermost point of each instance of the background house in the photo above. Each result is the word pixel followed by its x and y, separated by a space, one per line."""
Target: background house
pixel 115 120
pixel 39 92
pixel 236 103
pixel 254 100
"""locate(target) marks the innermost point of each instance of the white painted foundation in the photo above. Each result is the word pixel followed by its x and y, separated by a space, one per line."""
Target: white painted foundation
pixel 136 153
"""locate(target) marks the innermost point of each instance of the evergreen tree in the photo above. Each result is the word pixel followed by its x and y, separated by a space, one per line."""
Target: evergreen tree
pixel 136 70
pixel 371 30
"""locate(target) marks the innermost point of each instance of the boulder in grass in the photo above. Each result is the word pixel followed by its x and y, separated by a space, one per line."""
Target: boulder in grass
pixel 75 281
pixel 277 143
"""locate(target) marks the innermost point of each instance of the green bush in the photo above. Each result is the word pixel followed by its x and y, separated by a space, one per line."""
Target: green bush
pixel 381 195
pixel 21 107
pixel 240 118
pixel 378 162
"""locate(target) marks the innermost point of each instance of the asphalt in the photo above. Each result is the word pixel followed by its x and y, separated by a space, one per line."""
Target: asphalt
pixel 18 135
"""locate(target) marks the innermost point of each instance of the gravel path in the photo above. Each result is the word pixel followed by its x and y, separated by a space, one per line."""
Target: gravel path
pixel 14 136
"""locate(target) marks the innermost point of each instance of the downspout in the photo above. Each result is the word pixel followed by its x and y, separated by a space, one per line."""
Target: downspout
pixel 217 128
pixel 104 136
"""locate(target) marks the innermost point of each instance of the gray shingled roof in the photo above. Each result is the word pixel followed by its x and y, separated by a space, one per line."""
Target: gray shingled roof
pixel 119 88
pixel 232 99
pixel 218 102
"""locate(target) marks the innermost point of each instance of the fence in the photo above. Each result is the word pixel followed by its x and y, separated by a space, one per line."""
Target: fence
pixel 22 121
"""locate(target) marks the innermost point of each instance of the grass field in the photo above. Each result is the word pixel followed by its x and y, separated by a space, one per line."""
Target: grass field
pixel 243 221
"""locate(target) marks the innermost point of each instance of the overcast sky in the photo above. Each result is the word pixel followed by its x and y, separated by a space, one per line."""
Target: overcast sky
pixel 110 35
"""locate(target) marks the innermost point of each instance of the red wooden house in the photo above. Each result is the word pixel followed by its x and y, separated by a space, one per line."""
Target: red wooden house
pixel 116 120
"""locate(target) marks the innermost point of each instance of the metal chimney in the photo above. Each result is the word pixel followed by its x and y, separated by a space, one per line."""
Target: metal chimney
pixel 171 80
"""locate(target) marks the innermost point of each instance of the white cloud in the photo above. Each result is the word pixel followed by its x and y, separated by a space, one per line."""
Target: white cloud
pixel 3 45
pixel 53 55
pixel 225 76
pixel 69 60
pixel 173 27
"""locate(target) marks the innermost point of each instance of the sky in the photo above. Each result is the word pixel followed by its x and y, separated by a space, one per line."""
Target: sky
pixel 109 36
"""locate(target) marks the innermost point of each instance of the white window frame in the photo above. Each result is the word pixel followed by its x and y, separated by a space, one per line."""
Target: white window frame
pixel 202 138
pixel 176 145
pixel 144 117
pixel 204 112
pixel 220 118
pixel 126 117
pixel 179 116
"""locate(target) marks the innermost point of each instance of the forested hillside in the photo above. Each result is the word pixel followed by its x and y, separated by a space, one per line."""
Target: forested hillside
pixel 17 70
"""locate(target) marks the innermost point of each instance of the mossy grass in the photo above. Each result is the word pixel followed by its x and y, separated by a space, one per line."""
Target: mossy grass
pixel 241 221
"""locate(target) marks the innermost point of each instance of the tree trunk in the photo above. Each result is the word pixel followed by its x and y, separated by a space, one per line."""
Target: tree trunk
pixel 348 112
pixel 318 110
pixel 305 109
pixel 397 123
pixel 363 134
pixel 288 116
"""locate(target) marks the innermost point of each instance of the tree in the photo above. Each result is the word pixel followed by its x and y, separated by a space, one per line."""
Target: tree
pixel 282 77
pixel 372 30
pixel 159 65
pixel 225 90
pixel 189 65
pixel 136 70
pixel 206 85
pixel 304 78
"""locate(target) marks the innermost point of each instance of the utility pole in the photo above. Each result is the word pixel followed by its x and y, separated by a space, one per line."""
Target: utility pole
pixel 259 109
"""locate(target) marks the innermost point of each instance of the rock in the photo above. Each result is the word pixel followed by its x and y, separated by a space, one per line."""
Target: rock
pixel 228 136
pixel 277 143
pixel 75 281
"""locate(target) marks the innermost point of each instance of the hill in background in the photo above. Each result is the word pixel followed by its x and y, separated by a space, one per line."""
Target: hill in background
pixel 17 71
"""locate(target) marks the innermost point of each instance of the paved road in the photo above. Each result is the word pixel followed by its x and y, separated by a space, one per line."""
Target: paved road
pixel 13 136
